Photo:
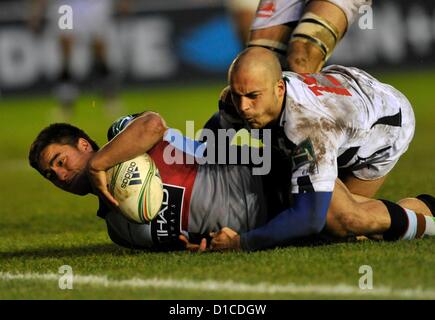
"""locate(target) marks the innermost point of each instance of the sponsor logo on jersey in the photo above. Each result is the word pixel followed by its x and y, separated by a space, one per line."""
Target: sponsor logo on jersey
pixel 165 228
pixel 304 155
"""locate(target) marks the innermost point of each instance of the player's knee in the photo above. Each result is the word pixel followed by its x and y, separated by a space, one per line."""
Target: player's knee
pixel 334 224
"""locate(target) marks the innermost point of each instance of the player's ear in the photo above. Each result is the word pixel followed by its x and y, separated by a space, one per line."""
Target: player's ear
pixel 84 145
pixel 280 87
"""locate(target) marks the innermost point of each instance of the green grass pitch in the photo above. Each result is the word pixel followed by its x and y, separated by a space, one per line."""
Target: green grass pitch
pixel 42 228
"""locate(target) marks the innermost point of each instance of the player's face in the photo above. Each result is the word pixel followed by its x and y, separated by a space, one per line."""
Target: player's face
pixel 65 165
pixel 257 99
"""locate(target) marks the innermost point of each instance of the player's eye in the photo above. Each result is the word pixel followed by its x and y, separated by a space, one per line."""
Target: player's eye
pixel 252 96
pixel 61 162
pixel 235 96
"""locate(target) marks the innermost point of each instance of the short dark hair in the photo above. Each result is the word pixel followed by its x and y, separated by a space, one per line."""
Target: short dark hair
pixel 61 133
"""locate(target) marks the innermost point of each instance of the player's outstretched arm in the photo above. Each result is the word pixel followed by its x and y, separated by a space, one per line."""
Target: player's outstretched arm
pixel 137 138
pixel 306 217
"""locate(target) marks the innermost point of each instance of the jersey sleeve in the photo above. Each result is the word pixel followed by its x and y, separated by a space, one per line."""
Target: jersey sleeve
pixel 120 125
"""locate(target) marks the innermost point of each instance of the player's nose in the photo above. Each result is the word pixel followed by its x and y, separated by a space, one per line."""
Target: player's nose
pixel 62 174
pixel 244 105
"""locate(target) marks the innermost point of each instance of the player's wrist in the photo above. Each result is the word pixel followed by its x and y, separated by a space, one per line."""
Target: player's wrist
pixel 96 164
pixel 236 243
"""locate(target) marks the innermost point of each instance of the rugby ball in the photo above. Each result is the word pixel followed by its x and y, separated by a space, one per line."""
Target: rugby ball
pixel 137 186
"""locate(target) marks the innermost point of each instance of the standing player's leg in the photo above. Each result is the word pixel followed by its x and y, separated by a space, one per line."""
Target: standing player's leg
pixel 320 28
pixel 273 24
pixel 96 26
pixel 242 13
pixel 67 90
pixel 302 34
pixel 274 38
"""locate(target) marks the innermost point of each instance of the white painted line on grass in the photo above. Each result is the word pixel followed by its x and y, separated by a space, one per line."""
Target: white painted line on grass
pixel 227 286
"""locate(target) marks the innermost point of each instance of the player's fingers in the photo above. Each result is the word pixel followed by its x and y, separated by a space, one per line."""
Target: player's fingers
pixel 109 197
pixel 220 236
pixel 212 245
pixel 183 239
pixel 104 191
pixel 228 231
pixel 203 245
pixel 216 245
pixel 189 246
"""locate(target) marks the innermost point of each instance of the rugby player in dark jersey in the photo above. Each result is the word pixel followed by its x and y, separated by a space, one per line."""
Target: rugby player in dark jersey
pixel 197 199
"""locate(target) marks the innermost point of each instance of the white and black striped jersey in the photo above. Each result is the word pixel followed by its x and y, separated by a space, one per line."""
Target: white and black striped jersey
pixel 341 118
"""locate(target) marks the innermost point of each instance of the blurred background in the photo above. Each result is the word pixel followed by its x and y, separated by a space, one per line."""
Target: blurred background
pixel 150 42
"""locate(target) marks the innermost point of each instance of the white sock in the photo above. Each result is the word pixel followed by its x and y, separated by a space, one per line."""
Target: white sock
pixel 430 226
pixel 412 225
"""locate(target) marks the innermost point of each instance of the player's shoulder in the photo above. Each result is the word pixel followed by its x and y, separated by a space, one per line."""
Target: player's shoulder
pixel 119 124
pixel 351 72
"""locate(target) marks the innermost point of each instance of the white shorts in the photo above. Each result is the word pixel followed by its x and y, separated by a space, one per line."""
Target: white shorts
pixel 275 12
pixel 387 143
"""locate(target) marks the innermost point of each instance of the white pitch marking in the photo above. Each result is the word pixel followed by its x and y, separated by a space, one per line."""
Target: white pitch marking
pixel 228 286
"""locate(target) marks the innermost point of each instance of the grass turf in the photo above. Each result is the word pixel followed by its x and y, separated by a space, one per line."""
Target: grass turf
pixel 42 228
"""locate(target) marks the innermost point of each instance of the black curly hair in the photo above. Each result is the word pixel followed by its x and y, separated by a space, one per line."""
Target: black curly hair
pixel 61 133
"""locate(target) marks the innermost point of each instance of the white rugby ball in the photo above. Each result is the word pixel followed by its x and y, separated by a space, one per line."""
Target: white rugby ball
pixel 137 186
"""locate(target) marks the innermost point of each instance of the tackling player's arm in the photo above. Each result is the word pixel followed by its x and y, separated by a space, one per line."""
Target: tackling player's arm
pixel 313 178
pixel 306 217
pixel 140 135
